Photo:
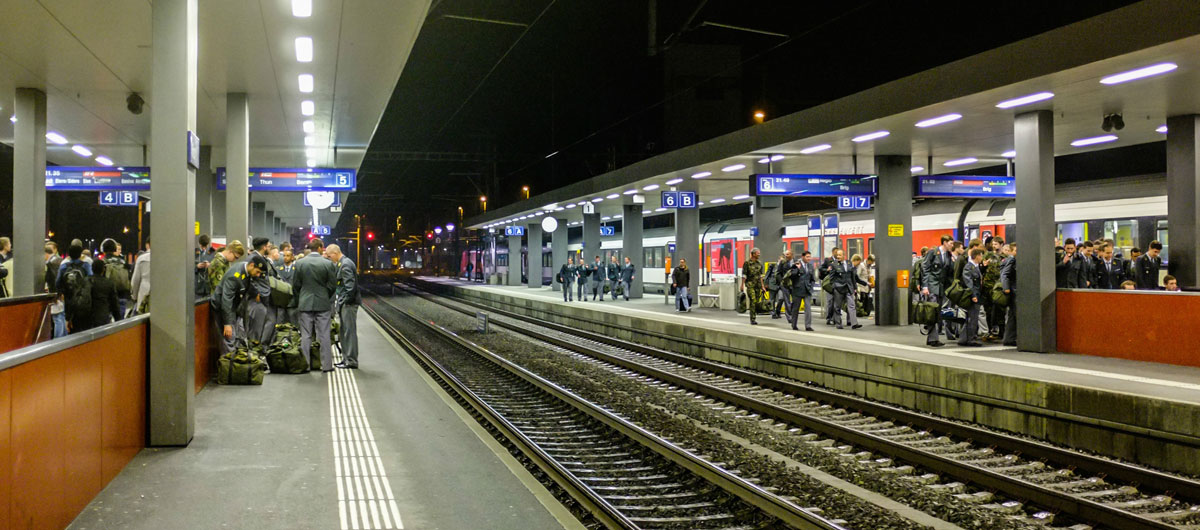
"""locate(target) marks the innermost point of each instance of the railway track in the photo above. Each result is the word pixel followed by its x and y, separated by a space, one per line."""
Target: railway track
pixel 621 475
pixel 976 465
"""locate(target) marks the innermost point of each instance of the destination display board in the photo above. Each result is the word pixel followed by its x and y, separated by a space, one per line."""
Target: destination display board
pixel 297 179
pixel 69 178
pixel 803 185
pixel 966 186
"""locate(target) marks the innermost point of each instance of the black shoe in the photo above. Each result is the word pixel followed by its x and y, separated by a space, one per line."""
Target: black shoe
pixel 326 371
pixel 753 322
pixel 856 326
pixel 794 328
pixel 344 365
pixel 1010 344
pixel 973 344
pixel 774 317
pixel 808 329
pixel 937 344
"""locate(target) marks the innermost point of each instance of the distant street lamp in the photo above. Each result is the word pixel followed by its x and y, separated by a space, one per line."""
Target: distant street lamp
pixel 525 191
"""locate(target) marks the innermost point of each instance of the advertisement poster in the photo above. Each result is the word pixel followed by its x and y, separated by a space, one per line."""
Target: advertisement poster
pixel 721 253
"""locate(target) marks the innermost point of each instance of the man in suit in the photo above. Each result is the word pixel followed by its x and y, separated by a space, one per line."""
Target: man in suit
pixel 627 273
pixel 779 295
pixel 567 276
pixel 803 276
pixel 1130 262
pixel 287 273
pixel 1145 269
pixel 230 297
pixel 346 302
pixel 597 272
pixel 316 281
pixel 823 271
pixel 1081 273
pixel 972 282
pixel 613 272
pixel 260 313
pixel 1062 269
pixel 1111 272
pixel 936 270
pixel 1008 282
pixel 845 285
pixel 580 278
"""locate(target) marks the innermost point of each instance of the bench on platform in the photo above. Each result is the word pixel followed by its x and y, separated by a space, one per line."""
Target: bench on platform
pixel 709 300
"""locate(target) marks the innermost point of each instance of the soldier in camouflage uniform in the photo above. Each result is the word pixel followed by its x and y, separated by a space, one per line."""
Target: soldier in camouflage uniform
pixel 752 284
pixel 220 263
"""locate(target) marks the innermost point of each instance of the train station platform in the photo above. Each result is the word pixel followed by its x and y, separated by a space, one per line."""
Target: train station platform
pixel 1140 411
pixel 379 447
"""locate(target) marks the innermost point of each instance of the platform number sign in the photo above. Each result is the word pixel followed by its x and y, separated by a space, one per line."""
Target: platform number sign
pixel 118 198
pixel 608 231
pixel 321 230
pixel 514 231
pixel 855 202
pixel 678 199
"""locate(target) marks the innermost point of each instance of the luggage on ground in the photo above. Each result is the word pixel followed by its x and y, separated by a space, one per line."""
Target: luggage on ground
pixel 283 355
pixel 242 366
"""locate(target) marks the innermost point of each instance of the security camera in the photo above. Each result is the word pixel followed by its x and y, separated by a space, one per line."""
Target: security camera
pixel 1112 121
pixel 134 103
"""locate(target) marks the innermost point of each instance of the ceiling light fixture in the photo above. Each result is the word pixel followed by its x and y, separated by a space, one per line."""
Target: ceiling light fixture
pixel 961 161
pixel 1140 73
pixel 815 149
pixel 1094 140
pixel 312 163
pixel 82 151
pixel 917 169
pixel 612 195
pixel 304 49
pixel 870 136
pixel 310 127
pixel 598 199
pixel 56 138
pixel 1009 154
pixel 776 158
pixel 702 174
pixel 764 160
pixel 939 120
pixel 308 108
pixel 660 209
pixel 651 187
pixel 717 201
pixel 310 153
pixel 572 205
pixel 629 192
pixel 104 161
pixel 735 167
pixel 310 141
pixel 740 197
pixel 302 8
pixel 1161 129
pixel 306 83
pixel 1024 100
pixel 673 182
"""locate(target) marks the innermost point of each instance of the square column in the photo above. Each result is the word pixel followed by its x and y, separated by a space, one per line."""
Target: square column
pixel 687 240
pixel 218 212
pixel 29 192
pixel 558 250
pixel 1183 194
pixel 631 243
pixel 276 225
pixel 258 224
pixel 172 320
pixel 205 185
pixel 892 249
pixel 269 225
pixel 514 260
pixel 591 236
pixel 1034 142
pixel 237 168
pixel 768 218
pixel 533 245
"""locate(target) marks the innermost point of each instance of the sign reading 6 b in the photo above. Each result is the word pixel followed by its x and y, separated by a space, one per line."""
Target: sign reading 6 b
pixel 670 199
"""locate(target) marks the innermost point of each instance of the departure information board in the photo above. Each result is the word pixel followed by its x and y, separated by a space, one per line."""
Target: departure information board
pixel 966 186
pixel 296 179
pixel 801 185
pixel 64 178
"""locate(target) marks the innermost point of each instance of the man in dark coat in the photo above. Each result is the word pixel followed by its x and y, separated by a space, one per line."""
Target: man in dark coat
pixel 316 281
pixel 936 270
pixel 801 277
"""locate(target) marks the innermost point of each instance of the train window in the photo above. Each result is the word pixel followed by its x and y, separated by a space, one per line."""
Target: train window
pixel 1161 235
pixel 1076 231
pixel 870 246
pixel 1123 233
pixel 653 258
pixel 854 245
pixel 797 247
pixel 547 259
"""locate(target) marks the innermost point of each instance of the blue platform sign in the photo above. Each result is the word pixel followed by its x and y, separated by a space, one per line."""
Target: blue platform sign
pixel 515 230
pixel 70 178
pixel 670 199
pixel 321 230
pixel 687 199
pixel 804 185
pixel 671 248
pixel 966 186
pixel 814 223
pixel 678 199
pixel 118 198
pixel 854 203
pixel 831 225
pixel 297 179
pixel 608 230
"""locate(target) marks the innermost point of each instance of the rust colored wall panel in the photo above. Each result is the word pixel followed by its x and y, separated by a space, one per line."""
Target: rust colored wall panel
pixel 6 475
pixel 38 485
pixel 124 399
pixel 206 346
pixel 19 324
pixel 1154 327
pixel 81 425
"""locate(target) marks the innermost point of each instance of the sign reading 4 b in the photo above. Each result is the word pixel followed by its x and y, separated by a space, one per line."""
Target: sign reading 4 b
pixel 118 198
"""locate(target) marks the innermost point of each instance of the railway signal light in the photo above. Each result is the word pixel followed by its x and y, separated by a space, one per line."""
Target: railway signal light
pixel 370 236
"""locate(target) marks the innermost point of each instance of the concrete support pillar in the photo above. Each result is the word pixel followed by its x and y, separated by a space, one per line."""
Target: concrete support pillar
pixel 218 212
pixel 893 248
pixel 172 321
pixel 278 226
pixel 205 185
pixel 269 225
pixel 514 260
pixel 29 192
pixel 631 243
pixel 558 250
pixel 533 244
pixel 1183 196
pixel 768 218
pixel 687 240
pixel 258 221
pixel 591 237
pixel 237 168
pixel 285 234
pixel 1034 135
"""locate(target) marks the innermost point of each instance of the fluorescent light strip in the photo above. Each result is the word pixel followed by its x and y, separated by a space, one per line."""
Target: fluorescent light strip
pixel 939 120
pixel 764 160
pixel 702 174
pixel 651 187
pixel 308 108
pixel 306 83
pixel 598 199
pixel 776 158
pixel 82 151
pixel 1024 100
pixel 870 136
pixel 1140 73
pixel 304 49
pixel 309 127
pixel 571 205
pixel 735 167
pixel 1009 154
pixel 612 195
pixel 961 162
pixel 1161 129
pixel 56 138
pixel 717 201
pixel 660 209
pixel 815 149
pixel 673 182
pixel 312 163
pixel 629 192
pixel 606 218
pixel 302 8
pixel 740 197
pixel 1094 140
pixel 917 169
pixel 104 161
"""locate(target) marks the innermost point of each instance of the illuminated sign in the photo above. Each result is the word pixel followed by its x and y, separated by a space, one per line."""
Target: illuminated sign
pixel 966 186
pixel 801 185
pixel 297 179
pixel 64 178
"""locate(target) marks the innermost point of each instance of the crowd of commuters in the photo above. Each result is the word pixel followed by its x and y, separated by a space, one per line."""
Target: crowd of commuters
pixel 1096 265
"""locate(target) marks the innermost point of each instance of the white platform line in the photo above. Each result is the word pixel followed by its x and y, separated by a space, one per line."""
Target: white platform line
pixel 366 493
